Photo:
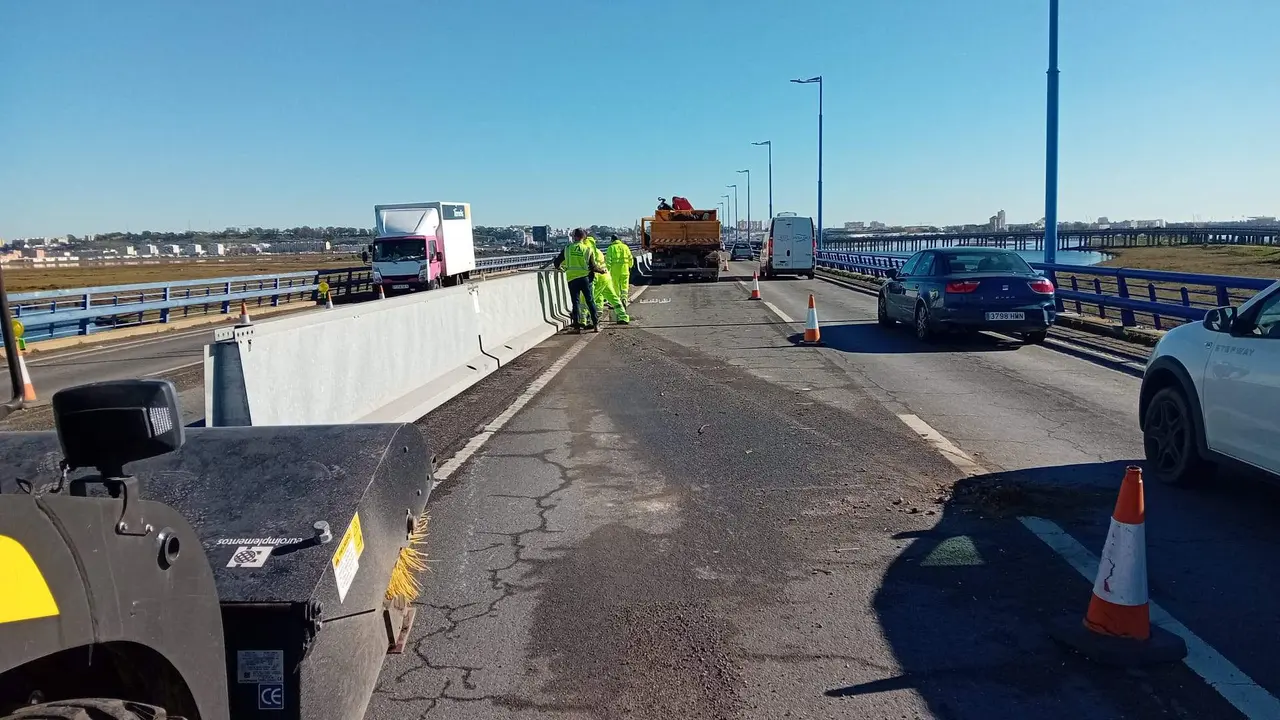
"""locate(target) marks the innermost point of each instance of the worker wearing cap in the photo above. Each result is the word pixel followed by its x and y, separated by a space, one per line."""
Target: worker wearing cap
pixel 618 259
pixel 578 260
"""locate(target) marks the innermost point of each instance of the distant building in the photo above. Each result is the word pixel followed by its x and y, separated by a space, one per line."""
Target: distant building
pixel 856 225
pixel 131 251
pixel 195 249
pixel 217 249
pixel 1002 222
pixel 875 225
pixel 172 250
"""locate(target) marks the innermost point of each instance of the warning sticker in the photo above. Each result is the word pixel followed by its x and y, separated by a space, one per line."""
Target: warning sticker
pixel 250 557
pixel 260 666
pixel 346 559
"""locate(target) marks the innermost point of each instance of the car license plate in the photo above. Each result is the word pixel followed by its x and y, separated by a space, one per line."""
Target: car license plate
pixel 406 287
pixel 1006 316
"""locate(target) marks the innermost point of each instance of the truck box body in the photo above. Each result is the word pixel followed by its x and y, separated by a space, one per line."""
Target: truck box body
pixel 683 243
pixel 423 245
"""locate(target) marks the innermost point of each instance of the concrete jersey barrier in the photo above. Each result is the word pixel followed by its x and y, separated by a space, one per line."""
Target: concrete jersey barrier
pixel 389 361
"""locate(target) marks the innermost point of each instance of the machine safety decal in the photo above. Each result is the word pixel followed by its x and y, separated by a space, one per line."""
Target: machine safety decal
pixel 259 666
pixel 250 556
pixel 270 696
pixel 346 560
pixel 26 594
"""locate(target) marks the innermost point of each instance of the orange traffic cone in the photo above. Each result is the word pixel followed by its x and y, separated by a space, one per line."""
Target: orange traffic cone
pixel 382 294
pixel 812 336
pixel 328 302
pixel 1117 627
pixel 28 390
pixel 244 314
pixel 755 286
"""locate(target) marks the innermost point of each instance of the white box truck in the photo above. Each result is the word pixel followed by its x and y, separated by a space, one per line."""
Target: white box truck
pixel 421 246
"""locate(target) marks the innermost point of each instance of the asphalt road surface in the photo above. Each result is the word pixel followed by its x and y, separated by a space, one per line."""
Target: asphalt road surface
pixel 695 518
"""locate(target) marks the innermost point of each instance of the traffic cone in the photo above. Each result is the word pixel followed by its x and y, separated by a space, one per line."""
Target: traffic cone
pixel 382 294
pixel 328 302
pixel 244 314
pixel 812 336
pixel 28 390
pixel 755 286
pixel 1117 627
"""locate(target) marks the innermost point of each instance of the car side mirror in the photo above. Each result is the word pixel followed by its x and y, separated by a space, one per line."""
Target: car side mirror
pixel 1220 319
pixel 892 274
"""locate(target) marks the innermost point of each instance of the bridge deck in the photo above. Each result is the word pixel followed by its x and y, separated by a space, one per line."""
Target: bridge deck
pixel 695 518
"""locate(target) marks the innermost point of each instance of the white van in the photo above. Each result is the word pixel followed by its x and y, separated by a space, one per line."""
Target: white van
pixel 790 247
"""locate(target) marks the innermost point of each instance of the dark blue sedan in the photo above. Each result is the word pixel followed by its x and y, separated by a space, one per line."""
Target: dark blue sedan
pixel 967 289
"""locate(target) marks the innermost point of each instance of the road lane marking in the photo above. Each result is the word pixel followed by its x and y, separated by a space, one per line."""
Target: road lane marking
pixel 777 311
pixel 445 471
pixel 174 369
pixel 949 450
pixel 1252 700
pixel 1237 688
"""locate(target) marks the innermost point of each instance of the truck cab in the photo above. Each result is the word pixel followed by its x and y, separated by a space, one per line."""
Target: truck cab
pixel 422 246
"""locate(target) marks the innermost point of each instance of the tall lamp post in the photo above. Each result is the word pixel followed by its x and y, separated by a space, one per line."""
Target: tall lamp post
pixel 724 219
pixel 748 172
pixel 818 79
pixel 769 144
pixel 735 208
pixel 1051 144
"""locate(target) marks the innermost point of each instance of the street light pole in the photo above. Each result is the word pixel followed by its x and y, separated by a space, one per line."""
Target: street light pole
pixel 748 172
pixel 735 209
pixel 725 218
pixel 818 79
pixel 1051 144
pixel 769 144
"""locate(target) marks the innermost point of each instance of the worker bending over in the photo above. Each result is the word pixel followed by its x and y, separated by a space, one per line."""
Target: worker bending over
pixel 579 262
pixel 618 259
pixel 606 293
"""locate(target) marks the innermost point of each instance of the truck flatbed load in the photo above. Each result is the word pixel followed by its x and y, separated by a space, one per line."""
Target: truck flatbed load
pixel 683 243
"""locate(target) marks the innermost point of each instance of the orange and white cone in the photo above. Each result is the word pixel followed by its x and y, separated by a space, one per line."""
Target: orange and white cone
pixel 328 302
pixel 1117 627
pixel 244 314
pixel 755 286
pixel 812 335
pixel 28 390
pixel 382 294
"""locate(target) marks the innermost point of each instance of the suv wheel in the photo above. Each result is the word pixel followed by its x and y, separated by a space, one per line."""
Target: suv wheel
pixel 1169 439
pixel 923 325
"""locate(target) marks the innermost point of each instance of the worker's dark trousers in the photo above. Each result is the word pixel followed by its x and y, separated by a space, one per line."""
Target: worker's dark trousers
pixel 581 288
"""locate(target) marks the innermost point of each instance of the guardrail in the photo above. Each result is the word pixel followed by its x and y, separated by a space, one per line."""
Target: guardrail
pixel 48 314
pixel 1130 295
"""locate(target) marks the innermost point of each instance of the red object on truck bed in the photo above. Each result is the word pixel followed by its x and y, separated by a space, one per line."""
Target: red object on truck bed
pixel 679 203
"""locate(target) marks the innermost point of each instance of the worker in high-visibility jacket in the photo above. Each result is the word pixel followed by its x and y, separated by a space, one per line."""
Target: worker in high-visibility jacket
pixel 579 262
pixel 618 259
pixel 605 293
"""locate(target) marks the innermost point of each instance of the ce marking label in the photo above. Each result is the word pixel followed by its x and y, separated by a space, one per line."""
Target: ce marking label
pixel 270 696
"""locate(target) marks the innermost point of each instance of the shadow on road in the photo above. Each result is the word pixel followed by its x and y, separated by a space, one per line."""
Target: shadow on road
pixel 966 604
pixel 868 337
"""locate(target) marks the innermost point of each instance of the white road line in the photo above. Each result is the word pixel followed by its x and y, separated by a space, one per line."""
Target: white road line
pixel 55 355
pixel 174 369
pixel 778 311
pixel 1237 688
pixel 954 455
pixel 478 441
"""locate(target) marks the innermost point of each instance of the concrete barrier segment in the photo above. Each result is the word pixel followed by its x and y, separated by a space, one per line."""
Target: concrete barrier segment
pixel 510 317
pixel 391 361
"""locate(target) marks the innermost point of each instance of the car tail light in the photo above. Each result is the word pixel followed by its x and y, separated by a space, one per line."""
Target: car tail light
pixel 1042 286
pixel 963 286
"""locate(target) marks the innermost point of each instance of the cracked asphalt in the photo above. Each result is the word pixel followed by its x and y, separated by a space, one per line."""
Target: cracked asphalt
pixel 698 519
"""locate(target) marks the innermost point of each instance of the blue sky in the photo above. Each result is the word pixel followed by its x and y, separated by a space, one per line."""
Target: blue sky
pixel 154 114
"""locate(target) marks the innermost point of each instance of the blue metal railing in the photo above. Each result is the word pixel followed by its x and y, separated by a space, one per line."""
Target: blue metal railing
pixel 1123 294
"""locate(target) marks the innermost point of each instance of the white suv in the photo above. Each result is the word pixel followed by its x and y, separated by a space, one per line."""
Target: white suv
pixel 1211 393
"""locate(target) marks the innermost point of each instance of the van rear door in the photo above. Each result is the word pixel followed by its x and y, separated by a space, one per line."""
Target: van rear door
pixel 802 248
pixel 793 243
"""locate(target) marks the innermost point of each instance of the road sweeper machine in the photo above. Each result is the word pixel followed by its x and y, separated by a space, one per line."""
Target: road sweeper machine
pixel 149 570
